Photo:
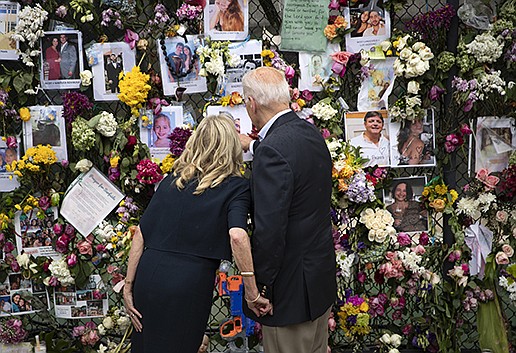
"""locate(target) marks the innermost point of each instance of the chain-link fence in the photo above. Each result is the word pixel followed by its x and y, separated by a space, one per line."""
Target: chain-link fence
pixel 265 22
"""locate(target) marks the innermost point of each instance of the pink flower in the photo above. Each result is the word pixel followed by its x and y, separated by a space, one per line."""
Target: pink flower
pixel 454 256
pixel 44 202
pixel 53 281
pixel 332 324
pixel 8 247
pixel 294 94
pixel 201 3
pixel 90 339
pixel 78 331
pixel 400 291
pixel 71 260
pixel 508 250
pixel 100 248
pixel 65 163
pixel 361 277
pixel 449 147
pixel 307 95
pixel 468 105
pixel 15 266
pixel 295 107
pixel 325 133
pixel 389 255
pixel 424 239
pixel 84 246
pixel 334 5
pixel 501 258
pixel 407 329
pixel 465 129
pixel 465 268
pixel 404 239
pixel 62 243
pixel 419 249
pixel 11 142
pixel 289 72
pixel 131 38
pixel 397 315
pixel 340 60
pixel 435 93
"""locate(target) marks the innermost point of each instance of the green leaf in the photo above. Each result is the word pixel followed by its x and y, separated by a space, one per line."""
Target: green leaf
pixel 19 84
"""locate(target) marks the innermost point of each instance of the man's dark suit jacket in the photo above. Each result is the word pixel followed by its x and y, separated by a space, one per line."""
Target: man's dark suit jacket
pixel 293 253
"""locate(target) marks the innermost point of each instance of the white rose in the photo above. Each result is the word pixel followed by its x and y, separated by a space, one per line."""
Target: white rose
pixel 418 46
pixel 381 235
pixel 406 53
pixel 102 331
pixel 394 350
pixel 413 87
pixel 83 165
pixel 385 339
pixel 396 340
pixel 108 322
pixel 421 68
pixel 426 54
pixel 506 248
pixel 411 72
pixel 123 322
pixel 386 45
pixel 435 279
pixel 399 67
pixel 371 235
pixel 86 77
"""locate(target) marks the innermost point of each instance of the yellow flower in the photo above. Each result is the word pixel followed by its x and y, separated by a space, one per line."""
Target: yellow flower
pixel 454 195
pixel 114 240
pixel 24 114
pixel 426 192
pixel 330 32
pixel 266 53
pixel 113 161
pixel 301 102
pixel 18 207
pixel 27 208
pixel 438 205
pixel 224 101
pixel 167 164
pixel 364 307
pixel 388 52
pixel 340 22
pixel 134 89
pixel 441 189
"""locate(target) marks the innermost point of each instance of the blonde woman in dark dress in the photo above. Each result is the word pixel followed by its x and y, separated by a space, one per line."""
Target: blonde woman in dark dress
pixel 197 217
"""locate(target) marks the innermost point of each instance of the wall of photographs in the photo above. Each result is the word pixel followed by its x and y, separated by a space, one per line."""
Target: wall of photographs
pixel 412 150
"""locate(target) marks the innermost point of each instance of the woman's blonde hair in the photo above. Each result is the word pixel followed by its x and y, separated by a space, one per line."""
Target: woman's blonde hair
pixel 211 154
pixel 232 18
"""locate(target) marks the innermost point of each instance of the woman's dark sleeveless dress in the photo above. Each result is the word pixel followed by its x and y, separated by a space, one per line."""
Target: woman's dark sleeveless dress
pixel 185 238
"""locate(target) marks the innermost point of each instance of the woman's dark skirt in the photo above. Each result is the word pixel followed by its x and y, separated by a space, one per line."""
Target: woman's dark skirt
pixel 173 292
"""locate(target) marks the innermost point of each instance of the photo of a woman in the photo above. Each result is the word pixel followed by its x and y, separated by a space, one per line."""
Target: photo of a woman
pixel 360 22
pixel 53 60
pixel 161 129
pixel 228 16
pixel 409 214
pixel 410 146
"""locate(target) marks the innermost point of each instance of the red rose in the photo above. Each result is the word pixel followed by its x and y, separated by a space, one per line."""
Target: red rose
pixel 131 142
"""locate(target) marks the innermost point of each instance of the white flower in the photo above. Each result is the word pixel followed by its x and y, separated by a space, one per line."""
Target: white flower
pixel 393 350
pixel 402 42
pixel 234 60
pixel 83 165
pixel 108 322
pixel 123 322
pixel 364 57
pixel 107 124
pixel 386 45
pixel 215 66
pixel 417 46
pixel 345 263
pixel 426 54
pixel 485 48
pixel 23 260
pixel 102 330
pixel 86 77
pixel 413 87
pixel 405 54
pixel 385 339
pixel 396 340
pixel 324 111
pixel 59 269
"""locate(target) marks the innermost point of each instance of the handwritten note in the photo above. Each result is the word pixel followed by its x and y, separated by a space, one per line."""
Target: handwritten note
pixel 89 200
pixel 303 25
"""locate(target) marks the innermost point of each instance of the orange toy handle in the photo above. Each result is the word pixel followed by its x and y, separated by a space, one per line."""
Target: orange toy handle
pixel 231 328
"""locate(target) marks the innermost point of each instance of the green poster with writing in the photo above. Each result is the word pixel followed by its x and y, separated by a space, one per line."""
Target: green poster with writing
pixel 303 25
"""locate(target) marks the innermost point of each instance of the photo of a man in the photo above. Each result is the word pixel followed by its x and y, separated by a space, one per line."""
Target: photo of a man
pixel 373 144
pixel 68 54
pixel 376 23
pixel 113 67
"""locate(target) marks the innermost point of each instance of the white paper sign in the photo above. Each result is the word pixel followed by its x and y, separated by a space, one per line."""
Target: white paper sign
pixel 89 199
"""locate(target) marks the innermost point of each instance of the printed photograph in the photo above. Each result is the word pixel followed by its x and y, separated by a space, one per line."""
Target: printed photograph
pixel 156 135
pixel 110 59
pixel 180 65
pixel 495 139
pixel 61 60
pixel 316 68
pixel 20 302
pixel 413 142
pixel 79 311
pixel 370 131
pixel 65 298
pixel 250 59
pixel 370 23
pixel 8 19
pixel 226 19
pixel 403 201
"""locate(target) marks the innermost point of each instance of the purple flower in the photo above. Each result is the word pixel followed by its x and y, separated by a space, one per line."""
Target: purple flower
pixel 435 93
pixel 11 142
pixel 397 315
pixel 334 5
pixel 15 266
pixel 76 104
pixel 62 244
pixel 53 281
pixel 69 231
pixel 424 239
pixel 61 11
pixel 429 24
pixel 44 202
pixel 58 229
pixel 361 277
pixel 178 139
pixel 71 260
pixel 307 95
pixel 65 163
pixel 12 332
pixel 2 238
pixel 8 247
pixel 404 239
pixel 468 106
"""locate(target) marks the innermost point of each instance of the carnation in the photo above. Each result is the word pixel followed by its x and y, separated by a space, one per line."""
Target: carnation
pixel 107 124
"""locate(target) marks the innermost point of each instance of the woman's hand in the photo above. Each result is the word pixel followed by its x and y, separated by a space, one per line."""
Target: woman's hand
pixel 130 309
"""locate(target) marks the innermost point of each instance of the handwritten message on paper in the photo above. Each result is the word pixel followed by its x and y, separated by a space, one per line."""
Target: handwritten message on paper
pixel 303 25
pixel 90 199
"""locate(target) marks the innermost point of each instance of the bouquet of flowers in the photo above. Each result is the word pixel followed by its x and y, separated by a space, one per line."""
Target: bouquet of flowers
pixel 134 88
pixel 12 331
pixel 327 117
pixel 354 319
pixel 438 197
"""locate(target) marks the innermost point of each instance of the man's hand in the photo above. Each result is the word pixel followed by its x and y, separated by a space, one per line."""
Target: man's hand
pixel 261 307
pixel 245 141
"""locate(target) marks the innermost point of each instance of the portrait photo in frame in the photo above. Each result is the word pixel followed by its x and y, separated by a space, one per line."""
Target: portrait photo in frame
pixel 413 142
pixel 8 19
pixel 361 125
pixel 155 135
pixel 371 23
pixel 61 60
pixel 250 59
pixel 111 59
pixel 495 139
pixel 8 181
pixel 242 121
pixel 46 127
pixel 403 201
pixel 226 19
pixel 184 66
pixel 315 67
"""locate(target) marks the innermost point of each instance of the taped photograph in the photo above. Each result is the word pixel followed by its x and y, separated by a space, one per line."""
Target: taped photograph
pixel 495 139
pixel 226 19
pixel 8 20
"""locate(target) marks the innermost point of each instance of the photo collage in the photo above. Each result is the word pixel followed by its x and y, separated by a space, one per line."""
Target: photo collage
pixel 89 302
pixel 21 296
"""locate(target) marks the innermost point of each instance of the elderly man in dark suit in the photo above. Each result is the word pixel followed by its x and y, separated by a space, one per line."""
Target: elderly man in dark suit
pixel 293 252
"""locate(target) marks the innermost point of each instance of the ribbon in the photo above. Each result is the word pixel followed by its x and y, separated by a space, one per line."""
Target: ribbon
pixel 480 240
